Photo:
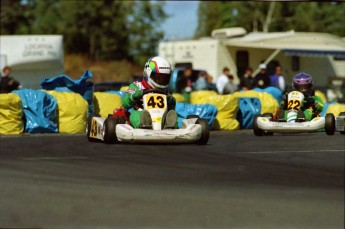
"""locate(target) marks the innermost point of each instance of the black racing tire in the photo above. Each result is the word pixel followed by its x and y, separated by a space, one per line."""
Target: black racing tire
pixel 330 124
pixel 257 131
pixel 192 116
pixel 205 132
pixel 342 114
pixel 109 127
pixel 88 128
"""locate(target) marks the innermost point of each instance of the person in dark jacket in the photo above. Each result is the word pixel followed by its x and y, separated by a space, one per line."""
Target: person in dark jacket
pixel 261 79
pixel 7 83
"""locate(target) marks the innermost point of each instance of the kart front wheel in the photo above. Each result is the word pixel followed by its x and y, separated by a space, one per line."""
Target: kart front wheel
pixel 205 133
pixel 342 114
pixel 329 124
pixel 270 117
pixel 109 128
pixel 257 131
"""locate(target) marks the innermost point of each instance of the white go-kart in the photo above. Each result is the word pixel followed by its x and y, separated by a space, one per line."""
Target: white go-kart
pixel 293 120
pixel 111 130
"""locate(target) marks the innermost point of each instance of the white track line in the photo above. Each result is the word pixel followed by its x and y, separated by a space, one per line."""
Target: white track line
pixel 51 158
pixel 297 151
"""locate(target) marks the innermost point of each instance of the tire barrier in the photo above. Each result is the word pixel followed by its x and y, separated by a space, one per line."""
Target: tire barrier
pixel 72 111
pixel 227 106
pixel 40 111
pixel 81 86
pixel 11 113
pixel 105 103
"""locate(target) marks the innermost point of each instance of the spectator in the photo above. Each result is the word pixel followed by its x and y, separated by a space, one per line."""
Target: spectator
pixel 201 83
pixel 7 83
pixel 184 83
pixel 277 79
pixel 230 87
pixel 210 84
pixel 223 80
pixel 261 79
pixel 247 80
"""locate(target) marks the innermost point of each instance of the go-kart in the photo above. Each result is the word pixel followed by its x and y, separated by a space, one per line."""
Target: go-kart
pixel 116 129
pixel 292 120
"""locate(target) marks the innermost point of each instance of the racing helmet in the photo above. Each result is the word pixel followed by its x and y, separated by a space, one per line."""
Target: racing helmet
pixel 157 72
pixel 303 82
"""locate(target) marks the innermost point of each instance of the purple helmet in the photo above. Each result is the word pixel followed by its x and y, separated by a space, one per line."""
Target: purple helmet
pixel 303 82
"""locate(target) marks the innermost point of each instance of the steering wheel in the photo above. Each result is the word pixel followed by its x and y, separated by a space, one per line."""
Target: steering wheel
pixel 155 90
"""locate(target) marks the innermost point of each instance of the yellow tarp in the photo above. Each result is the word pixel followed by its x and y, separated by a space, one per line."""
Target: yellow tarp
pixel 336 109
pixel 179 97
pixel 105 103
pixel 72 111
pixel 124 88
pixel 321 95
pixel 227 106
pixel 11 112
pixel 268 103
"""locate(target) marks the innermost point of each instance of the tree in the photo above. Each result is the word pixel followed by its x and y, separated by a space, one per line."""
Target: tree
pixel 102 29
pixel 145 26
pixel 272 16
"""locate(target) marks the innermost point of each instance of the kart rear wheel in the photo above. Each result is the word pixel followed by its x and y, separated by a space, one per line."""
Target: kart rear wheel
pixel 88 129
pixel 342 114
pixel 257 131
pixel 109 128
pixel 205 133
pixel 329 124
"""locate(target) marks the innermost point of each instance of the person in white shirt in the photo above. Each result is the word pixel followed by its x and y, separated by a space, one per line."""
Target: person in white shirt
pixel 223 80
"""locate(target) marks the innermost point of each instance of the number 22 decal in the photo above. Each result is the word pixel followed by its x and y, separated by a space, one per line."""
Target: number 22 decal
pixel 294 104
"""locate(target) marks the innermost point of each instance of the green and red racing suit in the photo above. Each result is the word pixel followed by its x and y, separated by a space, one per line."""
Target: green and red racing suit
pixel 133 99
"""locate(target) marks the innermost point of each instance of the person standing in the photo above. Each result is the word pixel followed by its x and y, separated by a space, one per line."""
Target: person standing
pixel 261 79
pixel 277 79
pixel 223 80
pixel 247 80
pixel 8 83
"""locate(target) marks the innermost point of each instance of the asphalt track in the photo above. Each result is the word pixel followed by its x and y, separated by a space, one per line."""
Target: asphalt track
pixel 236 181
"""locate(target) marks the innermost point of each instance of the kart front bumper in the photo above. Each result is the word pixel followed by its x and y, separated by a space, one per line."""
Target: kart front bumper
pixel 314 125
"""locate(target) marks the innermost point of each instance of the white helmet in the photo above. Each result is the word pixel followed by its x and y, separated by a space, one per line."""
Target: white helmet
pixel 158 72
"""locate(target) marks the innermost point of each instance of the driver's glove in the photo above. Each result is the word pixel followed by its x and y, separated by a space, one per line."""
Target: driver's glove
pixel 137 95
pixel 171 101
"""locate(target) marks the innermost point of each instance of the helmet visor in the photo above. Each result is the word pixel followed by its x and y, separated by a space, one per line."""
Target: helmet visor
pixel 302 87
pixel 161 78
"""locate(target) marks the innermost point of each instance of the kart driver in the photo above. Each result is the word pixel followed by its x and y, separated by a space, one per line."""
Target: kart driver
pixel 312 105
pixel 156 75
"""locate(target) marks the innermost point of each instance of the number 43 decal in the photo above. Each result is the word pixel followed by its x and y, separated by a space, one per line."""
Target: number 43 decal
pixel 155 101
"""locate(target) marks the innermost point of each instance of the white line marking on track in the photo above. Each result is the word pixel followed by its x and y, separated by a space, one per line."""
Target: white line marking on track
pixel 297 151
pixel 51 158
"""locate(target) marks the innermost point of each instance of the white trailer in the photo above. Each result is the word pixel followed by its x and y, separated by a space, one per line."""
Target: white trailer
pixel 32 57
pixel 320 54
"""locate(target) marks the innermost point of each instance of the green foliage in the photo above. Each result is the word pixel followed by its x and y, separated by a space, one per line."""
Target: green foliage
pixel 102 29
pixel 252 15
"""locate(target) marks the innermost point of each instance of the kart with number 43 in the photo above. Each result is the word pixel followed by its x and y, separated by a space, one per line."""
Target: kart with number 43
pixel 115 129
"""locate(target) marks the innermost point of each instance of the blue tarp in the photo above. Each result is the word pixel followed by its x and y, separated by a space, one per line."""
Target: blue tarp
pixel 65 83
pixel 248 108
pixel 40 111
pixel 206 111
